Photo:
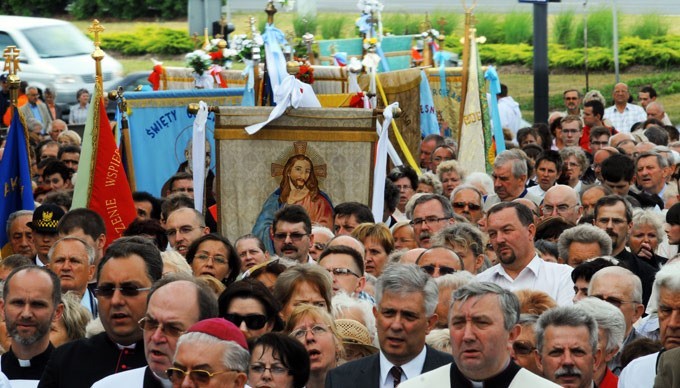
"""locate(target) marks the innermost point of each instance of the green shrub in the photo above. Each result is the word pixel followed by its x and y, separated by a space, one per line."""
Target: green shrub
pixel 45 8
pixel 600 29
pixel 518 28
pixel 489 25
pixel 649 26
pixel 506 54
pixel 563 28
pixel 445 22
pixel 331 26
pixel 402 23
pixel 149 40
pixel 304 24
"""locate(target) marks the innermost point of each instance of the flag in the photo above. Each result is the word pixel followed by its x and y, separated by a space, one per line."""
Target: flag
pixel 15 177
pixel 475 135
pixel 428 115
pixel 101 183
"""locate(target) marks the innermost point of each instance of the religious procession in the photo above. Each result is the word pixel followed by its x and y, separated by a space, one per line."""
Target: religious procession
pixel 362 212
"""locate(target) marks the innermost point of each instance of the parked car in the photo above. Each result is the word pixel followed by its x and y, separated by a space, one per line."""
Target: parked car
pixel 55 54
pixel 130 84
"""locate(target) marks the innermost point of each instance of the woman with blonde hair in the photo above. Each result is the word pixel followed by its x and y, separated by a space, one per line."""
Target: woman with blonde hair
pixel 315 328
pixel 69 137
pixel 450 174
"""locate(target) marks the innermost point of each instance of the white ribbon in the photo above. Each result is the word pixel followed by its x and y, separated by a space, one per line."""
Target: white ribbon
pixel 204 81
pixel 380 173
pixel 291 92
pixel 353 69
pixel 198 154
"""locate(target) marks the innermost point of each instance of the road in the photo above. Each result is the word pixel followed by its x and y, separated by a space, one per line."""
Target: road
pixel 662 7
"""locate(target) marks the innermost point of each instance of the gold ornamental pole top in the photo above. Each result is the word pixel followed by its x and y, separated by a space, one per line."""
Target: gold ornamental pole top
pixel 98 53
pixel 11 55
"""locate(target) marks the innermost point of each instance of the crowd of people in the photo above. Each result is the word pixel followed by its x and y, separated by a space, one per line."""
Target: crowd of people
pixel 559 269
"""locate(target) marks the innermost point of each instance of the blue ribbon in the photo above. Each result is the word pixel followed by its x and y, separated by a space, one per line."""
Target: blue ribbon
pixel 383 59
pixel 494 88
pixel 249 90
pixel 442 57
pixel 363 24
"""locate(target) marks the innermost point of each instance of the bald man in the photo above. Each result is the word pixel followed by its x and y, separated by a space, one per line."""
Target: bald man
pixel 623 115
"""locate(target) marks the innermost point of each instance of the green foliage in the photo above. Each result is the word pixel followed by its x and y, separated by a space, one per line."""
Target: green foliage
pixel 506 54
pixel 445 22
pixel 518 28
pixel 489 25
pixel 649 26
pixel 563 28
pixel 46 8
pixel 304 24
pixel 128 9
pixel 401 23
pixel 149 40
pixel 600 29
pixel 331 26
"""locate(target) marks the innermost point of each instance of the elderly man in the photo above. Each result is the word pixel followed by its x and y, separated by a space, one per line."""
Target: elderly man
pixel 655 110
pixel 31 303
pixel 563 201
pixel 652 171
pixel 589 199
pixel 614 215
pixel 346 267
pixel 215 346
pixel 87 225
pixel 20 234
pixel 439 261
pixel 509 178
pixel 427 147
pixel 566 345
pixel 126 273
pixel 466 201
pixel 583 242
pixel 291 232
pixel 175 304
pixel 511 230
pixel 56 128
pixel 72 260
pixel 35 109
pixel 610 330
pixel 44 227
pixel 184 226
pixel 572 101
pixel 623 115
pixel 406 299
pixel 548 169
pixel 483 325
pixel 623 289
pixel 431 213
pixel 642 371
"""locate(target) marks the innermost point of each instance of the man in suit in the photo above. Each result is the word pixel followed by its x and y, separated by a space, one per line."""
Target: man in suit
pixel 483 322
pixel 35 108
pixel 406 298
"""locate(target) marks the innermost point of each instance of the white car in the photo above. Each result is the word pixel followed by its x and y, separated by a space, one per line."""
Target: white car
pixel 56 55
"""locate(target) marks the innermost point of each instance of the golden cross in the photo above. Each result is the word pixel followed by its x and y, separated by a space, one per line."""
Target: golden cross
pixel 96 27
pixel 11 55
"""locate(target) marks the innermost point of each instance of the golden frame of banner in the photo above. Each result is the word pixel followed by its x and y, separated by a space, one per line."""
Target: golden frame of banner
pixel 339 143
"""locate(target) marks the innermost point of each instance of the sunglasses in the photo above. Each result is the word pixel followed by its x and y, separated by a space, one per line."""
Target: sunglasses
pixel 198 376
pixel 150 324
pixel 253 321
pixel 443 270
pixel 461 205
pixel 523 348
pixel 107 290
pixel 296 237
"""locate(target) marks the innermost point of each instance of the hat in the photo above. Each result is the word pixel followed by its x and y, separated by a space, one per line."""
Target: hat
pixel 673 215
pixel 46 218
pixel 220 328
pixel 353 333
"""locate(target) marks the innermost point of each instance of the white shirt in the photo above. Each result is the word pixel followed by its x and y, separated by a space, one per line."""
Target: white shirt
pixel 624 121
pixel 411 369
pixel 551 278
pixel 537 191
pixel 641 372
pixel 510 115
pixel 130 379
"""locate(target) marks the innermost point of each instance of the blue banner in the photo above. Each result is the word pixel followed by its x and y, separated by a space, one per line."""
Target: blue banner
pixel 15 176
pixel 161 127
pixel 428 114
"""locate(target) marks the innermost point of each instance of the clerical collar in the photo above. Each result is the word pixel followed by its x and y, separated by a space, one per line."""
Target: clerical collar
pixel 501 380
pixel 24 363
pixel 121 347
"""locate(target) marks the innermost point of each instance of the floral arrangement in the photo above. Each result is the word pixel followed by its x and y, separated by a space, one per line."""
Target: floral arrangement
pixel 243 46
pixel 220 54
pixel 432 33
pixel 199 60
pixel 306 73
pixel 370 43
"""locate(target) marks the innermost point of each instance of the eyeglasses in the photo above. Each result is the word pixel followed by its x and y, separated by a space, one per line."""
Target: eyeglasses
pixel 107 290
pixel 342 272
pixel 462 205
pixel 316 330
pixel 428 220
pixel 150 324
pixel 259 369
pixel 523 348
pixel 198 376
pixel 253 321
pixel 549 209
pixel 613 300
pixel 319 246
pixel 182 230
pixel 295 236
pixel 443 270
pixel 217 259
